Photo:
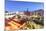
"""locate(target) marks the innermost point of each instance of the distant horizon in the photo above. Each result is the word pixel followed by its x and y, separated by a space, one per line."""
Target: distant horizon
pixel 13 6
pixel 29 11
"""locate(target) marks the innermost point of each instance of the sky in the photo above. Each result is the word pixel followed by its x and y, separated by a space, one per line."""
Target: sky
pixel 13 6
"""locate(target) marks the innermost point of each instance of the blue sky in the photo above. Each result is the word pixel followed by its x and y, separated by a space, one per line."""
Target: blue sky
pixel 13 6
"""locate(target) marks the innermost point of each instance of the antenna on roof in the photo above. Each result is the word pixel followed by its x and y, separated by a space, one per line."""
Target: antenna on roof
pixel 27 9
